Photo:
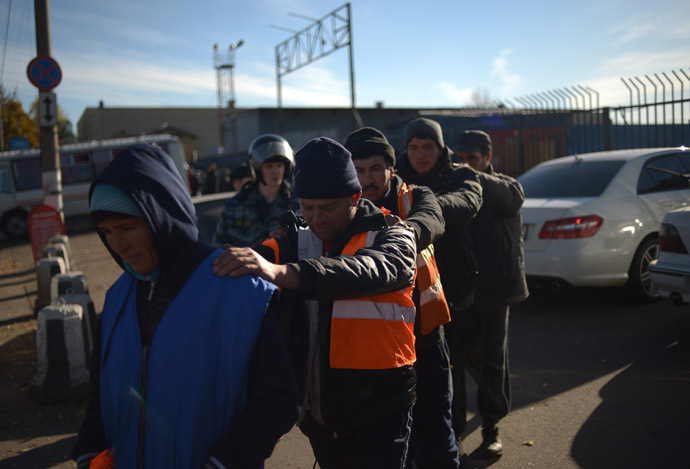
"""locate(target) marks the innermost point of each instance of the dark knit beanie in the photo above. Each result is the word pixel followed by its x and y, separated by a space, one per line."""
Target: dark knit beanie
pixel 473 140
pixel 324 170
pixel 368 141
pixel 425 128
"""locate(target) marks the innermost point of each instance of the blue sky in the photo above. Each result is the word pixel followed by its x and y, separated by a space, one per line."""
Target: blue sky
pixel 406 53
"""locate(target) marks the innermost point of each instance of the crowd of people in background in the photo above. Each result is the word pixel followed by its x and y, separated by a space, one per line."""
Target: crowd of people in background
pixel 211 180
pixel 395 274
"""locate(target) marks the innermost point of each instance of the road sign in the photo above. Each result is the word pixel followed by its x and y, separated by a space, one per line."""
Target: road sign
pixel 44 73
pixel 47 109
pixel 19 143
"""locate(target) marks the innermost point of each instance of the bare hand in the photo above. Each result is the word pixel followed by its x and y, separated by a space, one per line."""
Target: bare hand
pixel 239 261
pixel 394 220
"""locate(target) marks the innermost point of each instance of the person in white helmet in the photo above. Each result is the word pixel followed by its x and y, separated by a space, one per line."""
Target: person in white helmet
pixel 252 214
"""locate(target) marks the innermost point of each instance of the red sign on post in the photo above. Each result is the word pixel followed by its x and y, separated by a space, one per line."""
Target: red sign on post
pixel 43 223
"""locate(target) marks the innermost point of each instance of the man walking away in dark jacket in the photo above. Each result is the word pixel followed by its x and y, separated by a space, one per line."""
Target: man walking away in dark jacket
pixel 496 232
pixel 432 444
pixel 347 281
pixel 427 162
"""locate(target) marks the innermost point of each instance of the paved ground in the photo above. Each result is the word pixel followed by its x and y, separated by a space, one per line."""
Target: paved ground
pixel 34 435
pixel 597 382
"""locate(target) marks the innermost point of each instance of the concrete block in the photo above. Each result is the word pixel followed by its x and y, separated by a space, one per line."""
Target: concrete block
pixel 88 319
pixel 68 283
pixel 57 250
pixel 61 373
pixel 46 268
pixel 64 241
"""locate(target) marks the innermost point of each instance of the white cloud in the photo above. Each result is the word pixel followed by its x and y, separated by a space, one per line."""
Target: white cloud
pixel 632 30
pixel 510 82
pixel 456 96
pixel 89 78
pixel 650 29
pixel 135 76
pixel 315 86
pixel 639 64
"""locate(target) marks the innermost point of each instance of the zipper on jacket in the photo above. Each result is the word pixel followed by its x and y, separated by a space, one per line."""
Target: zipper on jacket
pixel 153 285
pixel 142 403
pixel 142 407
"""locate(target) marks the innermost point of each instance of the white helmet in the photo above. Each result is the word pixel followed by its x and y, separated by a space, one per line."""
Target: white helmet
pixel 274 147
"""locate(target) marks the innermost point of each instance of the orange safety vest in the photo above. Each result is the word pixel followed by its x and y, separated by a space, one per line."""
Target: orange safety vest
pixel 375 332
pixel 434 308
pixel 367 333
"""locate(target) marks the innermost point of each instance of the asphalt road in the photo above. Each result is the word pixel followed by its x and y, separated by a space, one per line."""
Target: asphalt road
pixel 598 382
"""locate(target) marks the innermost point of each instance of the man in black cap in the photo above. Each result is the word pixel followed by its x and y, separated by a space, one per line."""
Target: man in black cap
pixel 346 305
pixel 498 249
pixel 241 175
pixel 427 162
pixel 432 444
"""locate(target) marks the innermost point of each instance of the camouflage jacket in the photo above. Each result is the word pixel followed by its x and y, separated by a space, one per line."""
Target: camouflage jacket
pixel 247 218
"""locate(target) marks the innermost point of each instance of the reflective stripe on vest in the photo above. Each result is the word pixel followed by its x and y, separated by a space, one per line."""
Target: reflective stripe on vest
pixel 375 332
pixel 432 301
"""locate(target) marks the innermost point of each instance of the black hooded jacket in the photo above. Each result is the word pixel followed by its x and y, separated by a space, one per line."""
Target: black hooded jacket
pixel 147 175
pixel 426 220
pixel 496 231
pixel 349 397
pixel 459 194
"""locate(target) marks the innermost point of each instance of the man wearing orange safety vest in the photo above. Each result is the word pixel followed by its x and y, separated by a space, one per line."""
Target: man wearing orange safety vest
pixel 432 444
pixel 346 308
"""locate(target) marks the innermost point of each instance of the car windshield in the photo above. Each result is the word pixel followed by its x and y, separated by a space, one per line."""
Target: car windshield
pixel 586 179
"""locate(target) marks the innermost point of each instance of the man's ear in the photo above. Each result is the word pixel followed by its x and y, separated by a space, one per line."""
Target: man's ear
pixel 355 198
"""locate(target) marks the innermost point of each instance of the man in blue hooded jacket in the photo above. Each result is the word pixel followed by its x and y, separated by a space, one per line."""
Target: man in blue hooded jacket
pixel 190 368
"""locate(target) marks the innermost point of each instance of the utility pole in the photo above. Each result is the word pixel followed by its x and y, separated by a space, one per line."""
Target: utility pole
pixel 47 105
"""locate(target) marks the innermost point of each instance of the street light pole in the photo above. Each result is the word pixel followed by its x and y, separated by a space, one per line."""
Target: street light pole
pixel 233 111
pixel 225 77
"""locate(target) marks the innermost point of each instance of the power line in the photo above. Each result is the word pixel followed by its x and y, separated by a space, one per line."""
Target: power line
pixel 7 33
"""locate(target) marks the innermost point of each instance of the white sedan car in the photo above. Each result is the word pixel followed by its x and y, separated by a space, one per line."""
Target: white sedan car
pixel 671 272
pixel 592 220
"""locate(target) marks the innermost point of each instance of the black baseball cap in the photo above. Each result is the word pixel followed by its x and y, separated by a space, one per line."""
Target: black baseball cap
pixel 472 140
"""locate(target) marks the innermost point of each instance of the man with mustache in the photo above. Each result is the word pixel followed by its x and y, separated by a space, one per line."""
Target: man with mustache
pixel 432 444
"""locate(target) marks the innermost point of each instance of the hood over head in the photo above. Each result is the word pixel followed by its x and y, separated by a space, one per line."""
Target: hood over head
pixel 147 175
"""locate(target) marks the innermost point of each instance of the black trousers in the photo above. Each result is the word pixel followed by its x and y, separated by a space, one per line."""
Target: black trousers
pixel 379 445
pixel 478 342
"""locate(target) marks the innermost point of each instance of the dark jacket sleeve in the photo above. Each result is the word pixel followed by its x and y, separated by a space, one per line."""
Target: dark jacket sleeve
pixel 502 194
pixel 272 403
pixel 91 439
pixel 463 199
pixel 425 217
pixel 388 265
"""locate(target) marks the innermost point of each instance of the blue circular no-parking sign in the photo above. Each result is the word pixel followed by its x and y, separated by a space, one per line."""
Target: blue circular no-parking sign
pixel 44 73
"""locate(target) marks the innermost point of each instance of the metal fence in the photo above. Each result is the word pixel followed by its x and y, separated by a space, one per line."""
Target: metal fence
pixel 567 121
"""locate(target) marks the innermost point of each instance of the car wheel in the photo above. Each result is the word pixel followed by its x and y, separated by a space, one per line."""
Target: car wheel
pixel 640 285
pixel 14 224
